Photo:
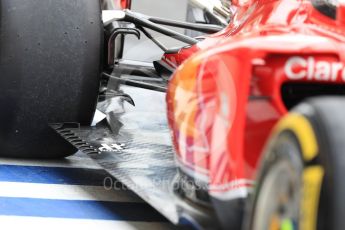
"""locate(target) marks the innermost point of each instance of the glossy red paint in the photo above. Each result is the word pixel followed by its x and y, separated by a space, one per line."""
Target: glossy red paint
pixel 125 4
pixel 226 94
pixel 176 59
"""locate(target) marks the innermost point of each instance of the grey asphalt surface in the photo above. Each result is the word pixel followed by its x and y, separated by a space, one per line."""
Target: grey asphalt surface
pixel 145 50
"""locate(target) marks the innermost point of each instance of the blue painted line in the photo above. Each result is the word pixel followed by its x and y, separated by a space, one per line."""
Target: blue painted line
pixel 52 175
pixel 73 209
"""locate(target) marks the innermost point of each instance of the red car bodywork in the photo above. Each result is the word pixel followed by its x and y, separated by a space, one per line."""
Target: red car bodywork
pixel 225 98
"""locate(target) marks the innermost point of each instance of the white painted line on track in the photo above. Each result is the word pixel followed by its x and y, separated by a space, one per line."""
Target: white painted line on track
pixel 64 192
pixel 38 223
pixel 77 161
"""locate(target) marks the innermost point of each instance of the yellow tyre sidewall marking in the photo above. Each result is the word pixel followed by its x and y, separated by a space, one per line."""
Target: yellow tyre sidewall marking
pixel 304 131
pixel 312 180
pixel 313 175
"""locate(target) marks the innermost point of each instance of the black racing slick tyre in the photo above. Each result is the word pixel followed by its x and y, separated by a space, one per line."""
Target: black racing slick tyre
pixel 301 179
pixel 50 66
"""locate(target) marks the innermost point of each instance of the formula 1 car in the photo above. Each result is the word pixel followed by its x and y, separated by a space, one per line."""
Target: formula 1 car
pixel 51 67
pixel 255 109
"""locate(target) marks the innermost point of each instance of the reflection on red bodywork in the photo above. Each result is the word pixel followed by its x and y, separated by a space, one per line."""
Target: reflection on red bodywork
pixel 226 94
pixel 125 4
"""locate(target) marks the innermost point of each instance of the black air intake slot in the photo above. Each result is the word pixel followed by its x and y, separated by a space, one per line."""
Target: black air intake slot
pixel 294 93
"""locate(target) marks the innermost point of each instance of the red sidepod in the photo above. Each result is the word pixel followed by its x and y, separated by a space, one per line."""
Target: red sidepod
pixel 224 100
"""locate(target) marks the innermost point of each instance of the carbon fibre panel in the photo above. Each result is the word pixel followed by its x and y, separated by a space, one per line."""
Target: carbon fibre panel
pixel 137 150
